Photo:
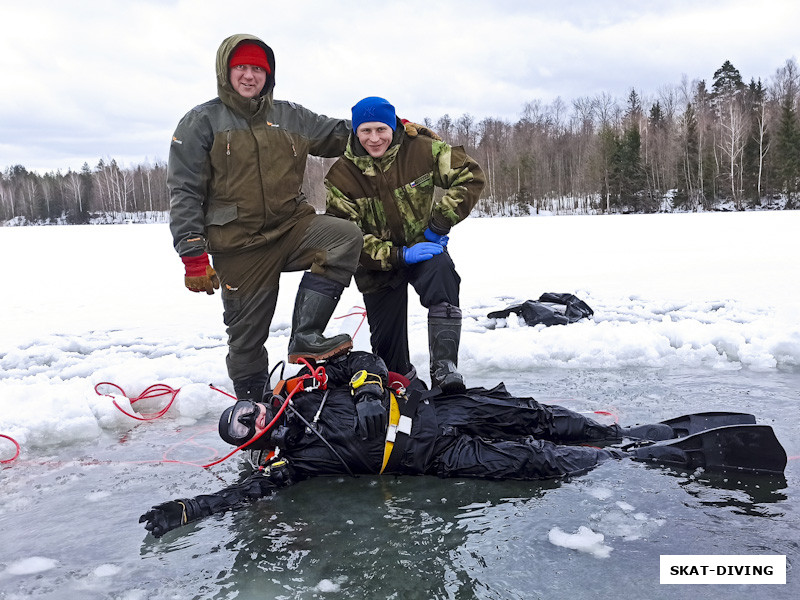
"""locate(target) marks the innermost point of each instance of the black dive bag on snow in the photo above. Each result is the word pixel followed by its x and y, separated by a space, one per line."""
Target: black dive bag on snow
pixel 549 309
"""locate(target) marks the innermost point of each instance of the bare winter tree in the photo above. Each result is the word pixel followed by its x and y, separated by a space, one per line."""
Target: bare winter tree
pixel 733 129
pixel 761 142
pixel 75 187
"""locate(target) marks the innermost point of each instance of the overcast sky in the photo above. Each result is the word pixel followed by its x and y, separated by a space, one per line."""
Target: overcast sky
pixel 90 79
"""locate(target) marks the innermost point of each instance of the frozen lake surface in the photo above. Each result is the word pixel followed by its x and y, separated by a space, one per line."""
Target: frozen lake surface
pixel 692 313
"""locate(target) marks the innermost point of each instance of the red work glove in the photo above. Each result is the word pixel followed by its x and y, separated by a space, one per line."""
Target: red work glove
pixel 200 275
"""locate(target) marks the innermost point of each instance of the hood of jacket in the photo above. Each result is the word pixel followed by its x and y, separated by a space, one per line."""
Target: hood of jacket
pixel 230 97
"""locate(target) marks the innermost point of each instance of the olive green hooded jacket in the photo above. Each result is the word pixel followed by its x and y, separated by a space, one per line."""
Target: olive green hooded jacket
pixel 392 200
pixel 236 164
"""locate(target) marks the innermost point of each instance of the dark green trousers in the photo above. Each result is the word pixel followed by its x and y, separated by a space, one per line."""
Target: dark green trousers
pixel 250 281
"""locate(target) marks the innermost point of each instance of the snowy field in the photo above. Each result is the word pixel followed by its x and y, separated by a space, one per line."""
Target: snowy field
pixel 710 297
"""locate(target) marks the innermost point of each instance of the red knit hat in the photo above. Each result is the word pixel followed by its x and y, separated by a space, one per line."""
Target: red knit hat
pixel 250 54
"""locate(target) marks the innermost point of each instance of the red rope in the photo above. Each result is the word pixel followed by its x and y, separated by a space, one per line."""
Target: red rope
pixel 319 374
pixel 213 452
pixel 160 389
pixel 154 391
pixel 16 454
pixel 608 414
pixel 221 391
pixel 362 312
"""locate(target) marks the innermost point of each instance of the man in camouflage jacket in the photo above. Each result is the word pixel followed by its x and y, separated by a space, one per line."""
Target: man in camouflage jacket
pixel 236 167
pixel 385 184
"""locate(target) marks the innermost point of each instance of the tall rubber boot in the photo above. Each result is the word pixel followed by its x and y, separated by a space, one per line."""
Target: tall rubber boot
pixel 252 388
pixel 316 300
pixel 444 338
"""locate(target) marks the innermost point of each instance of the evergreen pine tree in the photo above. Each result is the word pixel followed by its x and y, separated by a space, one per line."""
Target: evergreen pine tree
pixel 727 81
pixel 788 150
pixel 629 175
pixel 751 157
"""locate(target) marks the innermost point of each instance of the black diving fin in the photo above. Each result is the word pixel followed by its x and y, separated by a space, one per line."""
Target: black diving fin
pixel 746 448
pixel 697 422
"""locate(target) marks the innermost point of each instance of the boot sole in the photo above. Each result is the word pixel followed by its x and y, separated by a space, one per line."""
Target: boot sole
pixel 338 351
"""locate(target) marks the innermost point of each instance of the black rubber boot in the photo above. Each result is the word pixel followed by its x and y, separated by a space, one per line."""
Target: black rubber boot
pixel 444 338
pixel 253 388
pixel 316 300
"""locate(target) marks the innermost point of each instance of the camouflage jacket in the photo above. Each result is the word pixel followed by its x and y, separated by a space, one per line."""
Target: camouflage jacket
pixel 236 164
pixel 392 198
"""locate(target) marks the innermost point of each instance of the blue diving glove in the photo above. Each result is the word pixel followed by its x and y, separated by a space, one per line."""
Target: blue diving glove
pixel 435 237
pixel 421 252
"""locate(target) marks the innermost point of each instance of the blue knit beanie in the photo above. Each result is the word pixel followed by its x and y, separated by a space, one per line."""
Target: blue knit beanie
pixel 375 109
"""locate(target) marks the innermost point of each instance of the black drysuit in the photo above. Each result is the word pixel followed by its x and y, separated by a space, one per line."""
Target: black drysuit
pixel 478 433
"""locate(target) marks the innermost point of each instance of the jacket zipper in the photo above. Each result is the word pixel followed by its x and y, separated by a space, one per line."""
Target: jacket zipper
pixel 291 143
pixel 227 160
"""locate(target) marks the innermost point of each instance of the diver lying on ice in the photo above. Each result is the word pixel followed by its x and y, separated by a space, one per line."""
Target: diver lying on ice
pixel 353 417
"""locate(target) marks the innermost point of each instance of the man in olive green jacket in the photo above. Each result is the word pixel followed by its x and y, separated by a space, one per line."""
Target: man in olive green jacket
pixel 385 184
pixel 236 167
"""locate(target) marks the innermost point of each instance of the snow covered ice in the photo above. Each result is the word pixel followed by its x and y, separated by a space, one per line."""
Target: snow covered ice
pixel 88 304
pixel 708 300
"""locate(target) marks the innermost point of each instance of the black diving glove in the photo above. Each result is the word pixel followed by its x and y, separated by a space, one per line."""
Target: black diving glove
pixel 168 516
pixel 372 418
pixel 368 389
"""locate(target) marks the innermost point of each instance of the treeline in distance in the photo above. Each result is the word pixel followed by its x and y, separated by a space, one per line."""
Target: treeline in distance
pixel 688 147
